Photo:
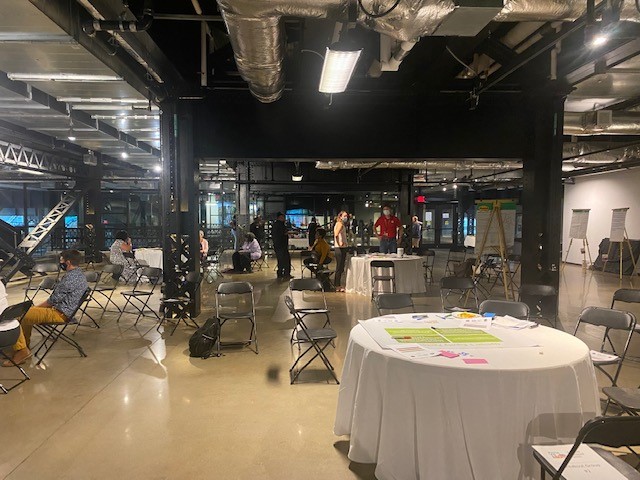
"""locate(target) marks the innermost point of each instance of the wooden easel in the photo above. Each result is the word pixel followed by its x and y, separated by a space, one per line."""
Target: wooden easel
pixel 620 248
pixel 585 251
pixel 502 249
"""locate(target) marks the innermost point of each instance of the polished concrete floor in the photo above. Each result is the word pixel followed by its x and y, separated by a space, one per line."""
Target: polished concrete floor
pixel 139 407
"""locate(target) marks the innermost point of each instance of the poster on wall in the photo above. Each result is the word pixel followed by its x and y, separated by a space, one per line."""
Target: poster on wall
pixel 618 219
pixel 579 222
pixel 483 215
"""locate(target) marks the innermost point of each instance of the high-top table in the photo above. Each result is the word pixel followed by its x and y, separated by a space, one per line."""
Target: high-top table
pixel 440 418
pixel 409 273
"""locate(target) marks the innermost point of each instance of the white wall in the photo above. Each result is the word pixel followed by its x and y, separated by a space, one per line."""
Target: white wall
pixel 601 193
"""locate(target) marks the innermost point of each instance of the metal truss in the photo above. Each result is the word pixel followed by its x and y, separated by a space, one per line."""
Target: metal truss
pixel 14 260
pixel 23 157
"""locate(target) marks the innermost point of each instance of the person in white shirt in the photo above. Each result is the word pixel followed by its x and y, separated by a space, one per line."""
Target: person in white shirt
pixel 249 251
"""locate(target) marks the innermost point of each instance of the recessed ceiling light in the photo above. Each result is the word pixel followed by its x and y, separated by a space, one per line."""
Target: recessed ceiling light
pixel 157 168
pixel 599 40
pixel 61 77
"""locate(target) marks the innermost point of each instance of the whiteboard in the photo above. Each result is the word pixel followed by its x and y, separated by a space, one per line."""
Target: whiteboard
pixel 493 235
pixel 579 222
pixel 618 219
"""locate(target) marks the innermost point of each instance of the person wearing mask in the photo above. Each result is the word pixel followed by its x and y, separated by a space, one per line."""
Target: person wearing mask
pixel 280 237
pixel 340 246
pixel 311 232
pixel 59 307
pixel 416 233
pixel 249 251
pixel 257 228
pixel 121 253
pixel 321 252
pixel 204 246
pixel 389 230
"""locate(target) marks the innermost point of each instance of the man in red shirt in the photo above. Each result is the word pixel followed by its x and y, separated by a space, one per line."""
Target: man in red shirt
pixel 389 230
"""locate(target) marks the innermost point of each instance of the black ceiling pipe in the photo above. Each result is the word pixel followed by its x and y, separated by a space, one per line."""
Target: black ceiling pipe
pixel 140 25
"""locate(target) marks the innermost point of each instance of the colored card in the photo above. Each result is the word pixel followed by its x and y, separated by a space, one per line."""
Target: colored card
pixel 474 361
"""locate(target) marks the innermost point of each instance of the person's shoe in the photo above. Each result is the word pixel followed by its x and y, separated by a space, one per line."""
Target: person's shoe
pixel 19 358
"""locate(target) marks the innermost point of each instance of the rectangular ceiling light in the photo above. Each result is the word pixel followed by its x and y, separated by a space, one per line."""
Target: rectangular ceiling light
pixel 103 100
pixel 62 77
pixel 337 69
pixel 32 172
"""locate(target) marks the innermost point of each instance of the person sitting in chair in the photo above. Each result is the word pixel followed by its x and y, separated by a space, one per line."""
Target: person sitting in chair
pixel 250 251
pixel 62 303
pixel 321 252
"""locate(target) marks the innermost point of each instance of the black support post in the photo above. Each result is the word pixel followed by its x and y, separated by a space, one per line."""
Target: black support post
pixel 93 228
pixel 179 189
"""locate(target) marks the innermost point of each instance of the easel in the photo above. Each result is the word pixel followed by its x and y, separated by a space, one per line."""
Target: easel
pixel 502 249
pixel 585 250
pixel 620 247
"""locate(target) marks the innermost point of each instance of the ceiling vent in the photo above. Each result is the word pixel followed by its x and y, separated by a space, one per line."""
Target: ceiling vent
pixel 469 17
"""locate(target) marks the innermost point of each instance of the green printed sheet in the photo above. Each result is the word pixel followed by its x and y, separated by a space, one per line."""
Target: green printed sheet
pixel 441 335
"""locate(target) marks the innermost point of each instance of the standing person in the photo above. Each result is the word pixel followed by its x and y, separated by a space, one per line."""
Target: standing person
pixel 311 232
pixel 340 246
pixel 234 231
pixel 389 231
pixel 257 228
pixel 120 253
pixel 204 246
pixel 58 308
pixel 250 251
pixel 416 233
pixel 280 237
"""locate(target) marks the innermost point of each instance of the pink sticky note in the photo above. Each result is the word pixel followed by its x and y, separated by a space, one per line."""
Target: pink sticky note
pixel 446 354
pixel 474 361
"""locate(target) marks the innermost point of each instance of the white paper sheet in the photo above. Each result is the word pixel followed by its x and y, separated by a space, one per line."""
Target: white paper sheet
pixel 586 464
pixel 618 221
pixel 579 223
pixel 602 357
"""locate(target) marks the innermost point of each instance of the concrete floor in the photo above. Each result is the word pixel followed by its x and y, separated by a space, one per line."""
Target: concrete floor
pixel 139 407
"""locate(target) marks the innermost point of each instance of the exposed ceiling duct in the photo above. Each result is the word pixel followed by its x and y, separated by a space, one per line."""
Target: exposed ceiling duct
pixel 445 165
pixel 590 123
pixel 258 44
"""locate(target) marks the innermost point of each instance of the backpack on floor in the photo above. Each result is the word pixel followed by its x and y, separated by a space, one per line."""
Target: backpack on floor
pixel 204 339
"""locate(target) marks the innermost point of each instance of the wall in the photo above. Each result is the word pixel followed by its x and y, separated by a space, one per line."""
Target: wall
pixel 601 193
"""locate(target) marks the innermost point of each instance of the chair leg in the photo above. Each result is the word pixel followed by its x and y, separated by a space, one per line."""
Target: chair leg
pixel 26 377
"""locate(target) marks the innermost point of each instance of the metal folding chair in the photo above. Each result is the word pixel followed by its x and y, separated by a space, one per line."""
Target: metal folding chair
pixel 626 399
pixel 609 320
pixel 93 279
pixel 382 272
pixel 139 297
pixel 258 263
pixel 106 291
pixel 462 287
pixel 181 306
pixel 212 265
pixel 456 255
pixel 9 332
pixel 304 254
pixel 613 432
pixel 46 284
pixel 52 332
pixel 505 307
pixel 242 292
pixel 317 339
pixel 307 295
pixel 393 302
pixel 540 299
pixel 429 261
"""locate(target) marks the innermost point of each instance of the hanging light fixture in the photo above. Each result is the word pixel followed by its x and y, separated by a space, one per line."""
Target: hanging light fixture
pixel 71 135
pixel 125 153
pixel 339 63
pixel 297 175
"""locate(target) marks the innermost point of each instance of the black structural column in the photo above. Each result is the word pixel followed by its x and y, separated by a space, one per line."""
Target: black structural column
pixel 405 197
pixel 179 190
pixel 542 188
pixel 93 228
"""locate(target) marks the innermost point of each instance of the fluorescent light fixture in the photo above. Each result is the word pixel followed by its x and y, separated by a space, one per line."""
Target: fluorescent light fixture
pixel 103 100
pixel 296 177
pixel 599 40
pixel 32 172
pixel 339 63
pixel 566 167
pixel 71 134
pixel 157 168
pixel 61 77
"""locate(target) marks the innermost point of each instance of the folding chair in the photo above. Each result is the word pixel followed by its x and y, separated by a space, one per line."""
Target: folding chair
pixel 243 293
pixel 258 263
pixel 540 299
pixel 52 332
pixel 463 287
pixel 93 279
pixel 382 277
pixel 429 261
pixel 609 320
pixel 318 340
pixel 374 249
pixel 106 291
pixel 613 432
pixel 47 283
pixel 307 287
pixel 181 306
pixel 456 255
pixel 504 307
pixel 9 332
pixel 304 254
pixel 139 297
pixel 627 399
pixel 212 265
pixel 393 302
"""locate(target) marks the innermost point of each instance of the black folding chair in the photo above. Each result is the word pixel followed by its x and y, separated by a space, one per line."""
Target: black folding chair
pixel 613 432
pixel 260 262
pixel 542 300
pixel 456 256
pixel 504 307
pixel 382 272
pixel 9 332
pixel 181 306
pixel 93 279
pixel 140 296
pixel 318 340
pixel 104 293
pixel 310 299
pixel 429 261
pixel 212 265
pixel 242 292
pixel 52 332
pixel 609 320
pixel 393 302
pixel 460 288
pixel 626 399
pixel 46 284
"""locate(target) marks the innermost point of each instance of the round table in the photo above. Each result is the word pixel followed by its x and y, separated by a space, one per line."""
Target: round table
pixel 440 418
pixel 409 273
pixel 153 256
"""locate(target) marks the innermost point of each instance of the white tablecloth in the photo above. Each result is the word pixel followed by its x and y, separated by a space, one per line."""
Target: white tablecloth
pixel 409 274
pixel 443 419
pixel 153 256
pixel 299 243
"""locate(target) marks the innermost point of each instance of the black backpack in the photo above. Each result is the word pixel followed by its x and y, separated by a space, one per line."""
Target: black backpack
pixel 204 339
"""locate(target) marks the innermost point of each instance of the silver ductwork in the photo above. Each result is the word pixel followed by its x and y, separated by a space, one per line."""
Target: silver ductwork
pixel 444 165
pixel 622 123
pixel 256 34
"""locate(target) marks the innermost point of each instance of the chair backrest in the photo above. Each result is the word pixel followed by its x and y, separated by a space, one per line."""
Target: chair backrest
pixel 504 307
pixel 627 295
pixel 230 288
pixel 46 268
pixel 537 290
pixel 428 253
pixel 83 298
pixel 288 301
pixel 382 264
pixel 47 283
pixel 242 292
pixel 15 312
pixel 92 277
pixel 113 268
pixel 608 318
pixel 456 283
pixel 393 301
pixel 312 284
pixel 152 273
pixel 374 249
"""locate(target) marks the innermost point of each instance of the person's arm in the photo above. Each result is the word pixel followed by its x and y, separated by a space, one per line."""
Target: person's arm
pixel 377 230
pixel 336 234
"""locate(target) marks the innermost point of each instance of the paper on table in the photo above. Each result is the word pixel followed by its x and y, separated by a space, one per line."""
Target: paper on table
pixel 602 357
pixel 586 464
pixel 414 351
pixel 507 321
pixel 478 322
